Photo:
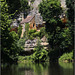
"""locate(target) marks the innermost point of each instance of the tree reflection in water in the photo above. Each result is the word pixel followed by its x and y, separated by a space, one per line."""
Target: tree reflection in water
pixel 38 69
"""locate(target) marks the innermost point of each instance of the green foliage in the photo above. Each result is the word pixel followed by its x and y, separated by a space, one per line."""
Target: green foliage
pixel 14 35
pixel 66 36
pixel 24 7
pixel 32 1
pixel 21 42
pixel 66 56
pixel 36 34
pixel 13 5
pixel 15 49
pixel 60 36
pixel 70 11
pixel 9 48
pixel 32 31
pixel 42 32
pixel 24 4
pixel 30 34
pixel 5 22
pixel 40 53
pixel 19 30
pixel 50 11
pixel 16 6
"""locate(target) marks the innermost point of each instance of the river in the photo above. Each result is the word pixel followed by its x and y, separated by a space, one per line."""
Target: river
pixel 38 69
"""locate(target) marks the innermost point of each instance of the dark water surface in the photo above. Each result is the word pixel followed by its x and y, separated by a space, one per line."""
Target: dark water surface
pixel 38 69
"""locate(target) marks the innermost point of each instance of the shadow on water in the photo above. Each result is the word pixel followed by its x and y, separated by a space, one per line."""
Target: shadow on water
pixel 61 69
pixel 38 69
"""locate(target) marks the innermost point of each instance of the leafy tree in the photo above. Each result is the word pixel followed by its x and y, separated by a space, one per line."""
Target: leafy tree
pixel 15 6
pixel 9 48
pixel 19 30
pixel 60 37
pixel 5 22
pixel 70 11
pixel 6 40
pixel 50 11
pixel 42 32
pixel 24 7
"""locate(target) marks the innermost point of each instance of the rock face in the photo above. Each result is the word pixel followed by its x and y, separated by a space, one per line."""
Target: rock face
pixel 31 44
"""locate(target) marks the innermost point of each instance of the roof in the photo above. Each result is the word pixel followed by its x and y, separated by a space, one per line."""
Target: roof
pixel 38 19
pixel 28 19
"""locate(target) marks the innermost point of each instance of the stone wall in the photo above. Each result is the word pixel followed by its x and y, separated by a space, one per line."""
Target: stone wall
pixel 31 44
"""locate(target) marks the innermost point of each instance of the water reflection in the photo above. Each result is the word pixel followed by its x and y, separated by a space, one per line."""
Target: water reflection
pixel 61 69
pixel 38 69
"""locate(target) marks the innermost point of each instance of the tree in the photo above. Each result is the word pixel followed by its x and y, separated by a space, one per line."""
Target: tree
pixel 9 48
pixel 59 37
pixel 50 11
pixel 24 7
pixel 70 11
pixel 6 40
pixel 70 14
pixel 15 6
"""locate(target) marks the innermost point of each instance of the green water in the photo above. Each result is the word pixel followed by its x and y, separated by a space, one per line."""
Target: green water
pixel 38 69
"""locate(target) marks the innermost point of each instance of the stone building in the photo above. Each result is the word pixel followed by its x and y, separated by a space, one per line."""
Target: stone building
pixel 35 21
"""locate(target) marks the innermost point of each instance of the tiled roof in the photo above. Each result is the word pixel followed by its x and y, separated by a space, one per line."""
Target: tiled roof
pixel 28 19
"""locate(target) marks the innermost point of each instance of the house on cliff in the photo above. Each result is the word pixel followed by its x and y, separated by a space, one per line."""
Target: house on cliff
pixel 35 22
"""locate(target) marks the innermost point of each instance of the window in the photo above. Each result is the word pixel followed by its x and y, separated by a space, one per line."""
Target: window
pixel 33 25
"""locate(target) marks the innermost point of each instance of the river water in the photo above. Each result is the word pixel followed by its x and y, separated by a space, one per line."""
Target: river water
pixel 38 69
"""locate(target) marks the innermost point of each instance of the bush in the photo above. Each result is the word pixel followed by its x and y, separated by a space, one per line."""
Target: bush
pixel 21 42
pixel 42 32
pixel 31 37
pixel 19 30
pixel 14 35
pixel 36 34
pixel 66 56
pixel 32 31
pixel 40 53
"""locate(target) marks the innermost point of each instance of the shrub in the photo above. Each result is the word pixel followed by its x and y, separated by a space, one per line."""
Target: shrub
pixel 21 42
pixel 66 56
pixel 14 35
pixel 19 30
pixel 32 31
pixel 42 32
pixel 40 53
pixel 31 37
pixel 36 34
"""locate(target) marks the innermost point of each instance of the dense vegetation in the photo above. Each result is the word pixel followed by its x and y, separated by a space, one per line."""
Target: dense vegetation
pixel 40 53
pixel 34 34
pixel 60 34
pixel 66 57
pixel 17 6
pixel 10 41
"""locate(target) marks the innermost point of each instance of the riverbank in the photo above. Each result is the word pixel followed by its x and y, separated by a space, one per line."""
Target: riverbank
pixel 66 57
